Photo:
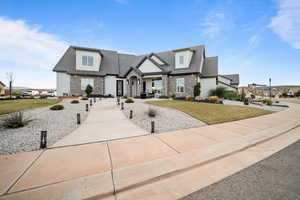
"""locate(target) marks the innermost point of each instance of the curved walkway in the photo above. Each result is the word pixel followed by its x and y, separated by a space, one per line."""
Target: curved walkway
pixel 161 166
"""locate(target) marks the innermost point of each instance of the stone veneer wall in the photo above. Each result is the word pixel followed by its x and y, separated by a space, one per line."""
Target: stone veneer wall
pixel 75 85
pixel 189 82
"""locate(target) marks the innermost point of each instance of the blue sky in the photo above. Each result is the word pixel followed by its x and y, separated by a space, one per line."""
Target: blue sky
pixel 257 39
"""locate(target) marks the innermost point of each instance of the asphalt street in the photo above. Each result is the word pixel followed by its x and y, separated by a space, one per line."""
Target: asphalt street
pixel 275 178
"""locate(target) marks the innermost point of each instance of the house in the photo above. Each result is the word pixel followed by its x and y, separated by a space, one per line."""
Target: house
pixel 118 74
pixel 2 88
pixel 230 82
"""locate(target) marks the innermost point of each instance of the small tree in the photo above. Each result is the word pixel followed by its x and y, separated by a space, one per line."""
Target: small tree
pixel 88 90
pixel 197 89
pixel 10 78
pixel 298 93
pixel 219 92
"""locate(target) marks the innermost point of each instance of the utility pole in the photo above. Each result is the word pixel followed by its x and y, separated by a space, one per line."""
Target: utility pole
pixel 270 87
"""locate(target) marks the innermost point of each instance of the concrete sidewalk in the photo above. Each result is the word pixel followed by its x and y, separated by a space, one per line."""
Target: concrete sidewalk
pixel 162 166
pixel 104 122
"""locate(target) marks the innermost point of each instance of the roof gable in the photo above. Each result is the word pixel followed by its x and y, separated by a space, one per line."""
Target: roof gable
pixel 147 66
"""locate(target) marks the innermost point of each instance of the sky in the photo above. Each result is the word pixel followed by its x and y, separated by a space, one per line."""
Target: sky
pixel 259 39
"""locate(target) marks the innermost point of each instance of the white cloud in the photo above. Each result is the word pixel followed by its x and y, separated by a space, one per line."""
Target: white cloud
pixel 212 24
pixel 286 23
pixel 24 46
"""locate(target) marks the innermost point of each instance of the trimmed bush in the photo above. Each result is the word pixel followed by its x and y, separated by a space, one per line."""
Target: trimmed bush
pixel 268 102
pixel 143 96
pixel 43 97
pixel 57 107
pixel 197 89
pixel 151 112
pixel 213 99
pixel 173 96
pixel 219 92
pixel 189 98
pixel 129 100
pixel 74 101
pixel 163 97
pixel 84 98
pixel 230 95
pixel 88 90
pixel 246 101
pixel 15 120
pixel 137 97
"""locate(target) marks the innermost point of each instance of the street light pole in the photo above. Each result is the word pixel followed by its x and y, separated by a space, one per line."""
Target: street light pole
pixel 270 87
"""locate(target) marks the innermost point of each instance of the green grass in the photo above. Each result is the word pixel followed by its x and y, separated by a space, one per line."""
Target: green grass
pixel 212 113
pixel 24 104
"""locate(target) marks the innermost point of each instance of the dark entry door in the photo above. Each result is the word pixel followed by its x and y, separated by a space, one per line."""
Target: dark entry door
pixel 144 86
pixel 119 88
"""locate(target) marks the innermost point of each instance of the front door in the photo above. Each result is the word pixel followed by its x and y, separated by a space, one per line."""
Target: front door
pixel 144 86
pixel 119 88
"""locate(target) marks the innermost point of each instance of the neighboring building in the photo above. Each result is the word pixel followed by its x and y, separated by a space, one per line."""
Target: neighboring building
pixel 276 90
pixel 109 72
pixel 230 82
pixel 2 88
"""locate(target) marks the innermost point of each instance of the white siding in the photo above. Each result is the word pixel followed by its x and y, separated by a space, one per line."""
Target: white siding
pixel 95 55
pixel 85 82
pixel 110 85
pixel 206 85
pixel 187 59
pixel 148 66
pixel 62 84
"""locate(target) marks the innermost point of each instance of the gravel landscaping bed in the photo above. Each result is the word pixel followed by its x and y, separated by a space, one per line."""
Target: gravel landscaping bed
pixel 57 123
pixel 165 120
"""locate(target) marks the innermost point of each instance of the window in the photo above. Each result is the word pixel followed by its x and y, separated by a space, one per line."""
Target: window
pixel 181 60
pixel 85 82
pixel 180 85
pixel 87 60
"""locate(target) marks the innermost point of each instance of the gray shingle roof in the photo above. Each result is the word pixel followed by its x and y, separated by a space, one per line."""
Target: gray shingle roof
pixel 235 78
pixel 114 63
pixel 210 67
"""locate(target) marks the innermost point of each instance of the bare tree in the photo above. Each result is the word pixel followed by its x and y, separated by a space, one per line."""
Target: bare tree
pixel 10 77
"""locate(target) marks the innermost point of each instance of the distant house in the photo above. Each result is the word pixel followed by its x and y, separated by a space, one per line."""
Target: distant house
pixel 2 88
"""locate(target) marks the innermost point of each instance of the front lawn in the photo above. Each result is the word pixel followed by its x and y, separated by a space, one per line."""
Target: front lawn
pixel 9 106
pixel 212 113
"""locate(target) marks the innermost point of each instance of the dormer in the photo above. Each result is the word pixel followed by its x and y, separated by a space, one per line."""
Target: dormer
pixel 88 60
pixel 183 58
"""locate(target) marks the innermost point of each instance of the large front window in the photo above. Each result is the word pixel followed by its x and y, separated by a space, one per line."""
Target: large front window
pixel 156 85
pixel 87 60
pixel 180 85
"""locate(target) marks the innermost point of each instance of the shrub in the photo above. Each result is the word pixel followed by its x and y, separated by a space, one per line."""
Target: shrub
pixel 230 95
pixel 198 98
pixel 197 89
pixel 189 98
pixel 268 102
pixel 219 92
pixel 163 97
pixel 18 96
pixel 246 101
pixel 129 100
pixel 151 112
pixel 124 97
pixel 15 120
pixel 57 107
pixel 173 96
pixel 84 98
pixel 137 97
pixel 285 93
pixel 74 101
pixel 277 101
pixel 88 90
pixel 143 96
pixel 214 99
pixel 43 97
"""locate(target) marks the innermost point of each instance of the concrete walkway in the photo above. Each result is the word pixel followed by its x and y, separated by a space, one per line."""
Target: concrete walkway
pixel 161 166
pixel 104 122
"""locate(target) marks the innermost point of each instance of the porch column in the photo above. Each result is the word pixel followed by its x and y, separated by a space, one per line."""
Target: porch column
pixel 165 85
